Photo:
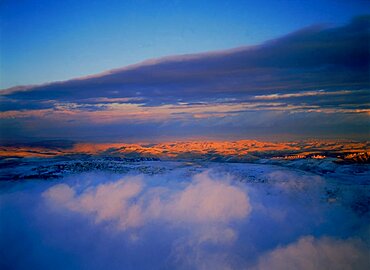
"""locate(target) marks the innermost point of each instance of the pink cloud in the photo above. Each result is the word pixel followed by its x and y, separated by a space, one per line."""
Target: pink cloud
pixel 309 253
pixel 129 203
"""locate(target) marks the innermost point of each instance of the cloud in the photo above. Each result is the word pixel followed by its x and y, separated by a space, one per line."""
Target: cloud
pixel 106 202
pixel 309 253
pixel 288 182
pixel 259 216
pixel 202 89
pixel 205 209
pixel 301 94
pixel 208 201
pixel 129 203
pixel 314 57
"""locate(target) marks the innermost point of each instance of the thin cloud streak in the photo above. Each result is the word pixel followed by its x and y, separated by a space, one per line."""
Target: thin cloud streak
pixel 302 94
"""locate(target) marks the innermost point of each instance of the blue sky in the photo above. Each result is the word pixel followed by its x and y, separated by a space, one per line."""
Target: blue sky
pixel 43 41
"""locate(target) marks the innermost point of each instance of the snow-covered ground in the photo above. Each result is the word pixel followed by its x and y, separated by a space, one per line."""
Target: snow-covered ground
pixel 113 214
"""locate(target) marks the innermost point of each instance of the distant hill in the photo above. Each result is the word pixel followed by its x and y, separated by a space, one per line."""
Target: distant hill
pixel 232 151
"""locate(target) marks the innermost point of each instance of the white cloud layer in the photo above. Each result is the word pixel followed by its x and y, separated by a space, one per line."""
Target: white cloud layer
pixel 218 216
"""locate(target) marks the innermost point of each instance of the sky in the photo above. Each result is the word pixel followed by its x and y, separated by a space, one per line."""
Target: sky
pixel 178 70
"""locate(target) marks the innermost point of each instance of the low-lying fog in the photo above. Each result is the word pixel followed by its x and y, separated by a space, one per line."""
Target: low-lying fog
pixel 219 216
